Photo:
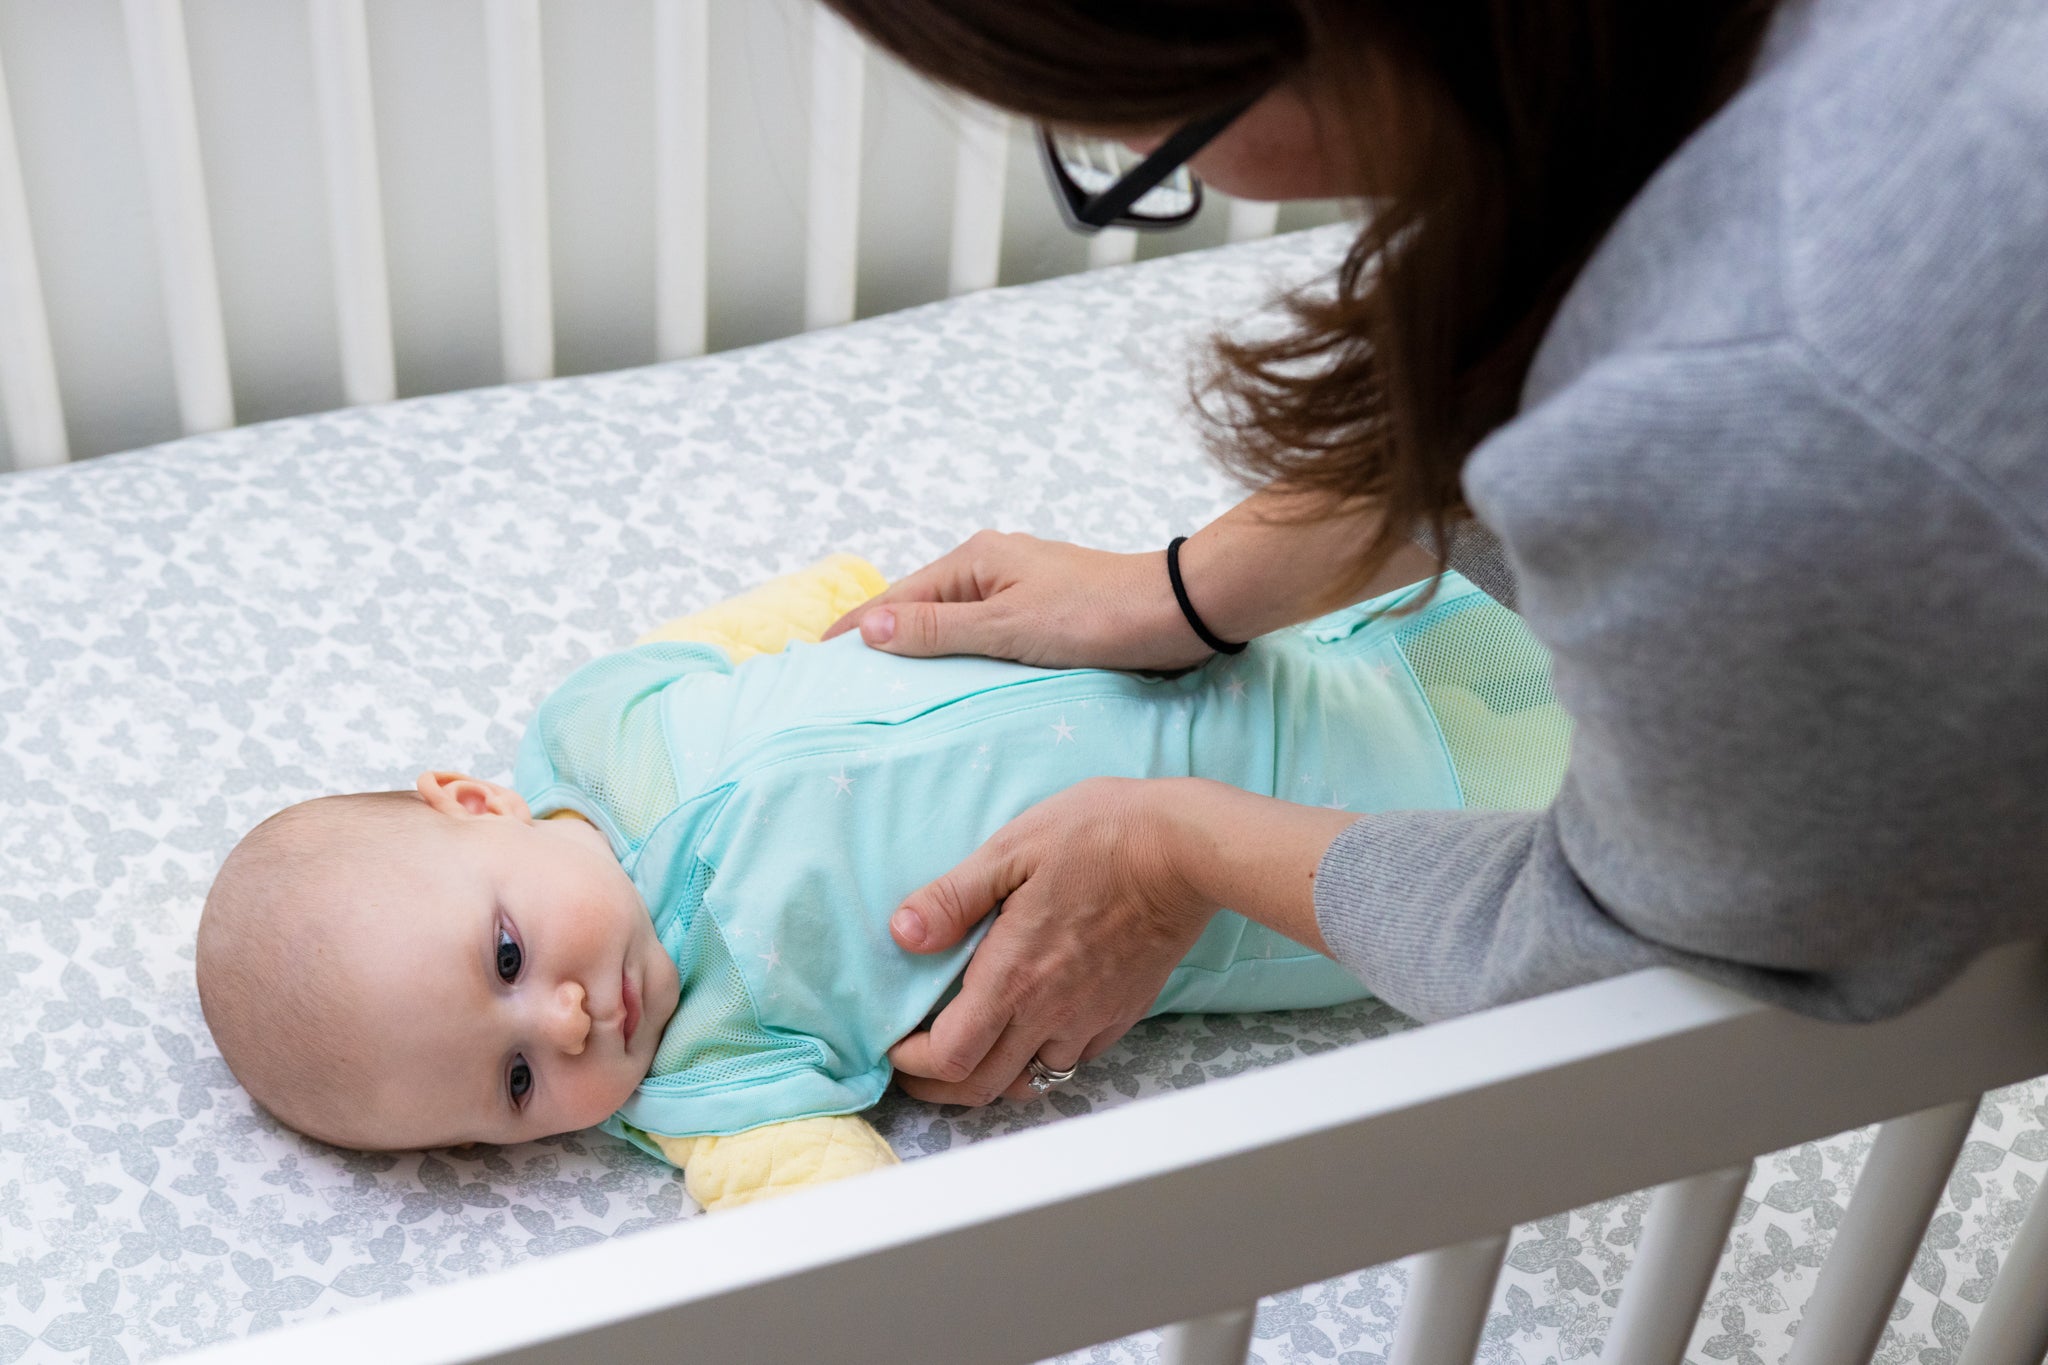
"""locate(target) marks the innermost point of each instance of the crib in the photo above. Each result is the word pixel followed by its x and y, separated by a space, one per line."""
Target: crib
pixel 261 211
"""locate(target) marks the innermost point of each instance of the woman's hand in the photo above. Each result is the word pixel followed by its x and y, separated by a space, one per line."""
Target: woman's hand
pixel 1103 890
pixel 1094 918
pixel 1276 558
pixel 1042 602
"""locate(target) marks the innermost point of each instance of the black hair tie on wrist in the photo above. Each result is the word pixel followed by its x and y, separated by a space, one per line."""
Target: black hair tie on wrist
pixel 1187 608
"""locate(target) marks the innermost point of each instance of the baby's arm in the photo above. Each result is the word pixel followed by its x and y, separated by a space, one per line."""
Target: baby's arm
pixel 797 606
pixel 775 1159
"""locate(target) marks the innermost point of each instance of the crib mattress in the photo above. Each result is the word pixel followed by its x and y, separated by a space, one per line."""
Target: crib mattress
pixel 194 635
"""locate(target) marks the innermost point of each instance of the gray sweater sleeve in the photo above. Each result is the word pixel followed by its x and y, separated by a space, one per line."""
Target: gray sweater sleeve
pixel 1807 759
pixel 1777 503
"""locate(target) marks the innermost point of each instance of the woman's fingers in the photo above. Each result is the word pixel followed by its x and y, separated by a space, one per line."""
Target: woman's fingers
pixel 925 584
pixel 1001 1058
pixel 985 1082
pixel 1055 1054
pixel 1091 927
pixel 1105 1040
pixel 939 914
pixel 946 607
pixel 1063 1056
pixel 954 576
pixel 1007 595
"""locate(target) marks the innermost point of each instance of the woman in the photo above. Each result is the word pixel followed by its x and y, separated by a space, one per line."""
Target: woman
pixel 1711 335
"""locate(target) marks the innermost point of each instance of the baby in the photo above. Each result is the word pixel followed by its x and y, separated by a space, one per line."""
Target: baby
pixel 673 923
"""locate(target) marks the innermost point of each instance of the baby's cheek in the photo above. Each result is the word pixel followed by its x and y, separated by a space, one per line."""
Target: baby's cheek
pixel 597 1095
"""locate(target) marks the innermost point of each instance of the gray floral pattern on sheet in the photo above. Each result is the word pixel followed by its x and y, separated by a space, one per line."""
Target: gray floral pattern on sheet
pixel 194 635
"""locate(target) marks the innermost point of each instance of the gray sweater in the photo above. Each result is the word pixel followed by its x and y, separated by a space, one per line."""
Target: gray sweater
pixel 1777 502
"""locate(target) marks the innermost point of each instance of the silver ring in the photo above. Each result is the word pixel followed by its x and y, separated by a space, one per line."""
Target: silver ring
pixel 1044 1078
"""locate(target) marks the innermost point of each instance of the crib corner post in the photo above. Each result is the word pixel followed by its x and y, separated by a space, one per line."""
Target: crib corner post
pixel 1220 1339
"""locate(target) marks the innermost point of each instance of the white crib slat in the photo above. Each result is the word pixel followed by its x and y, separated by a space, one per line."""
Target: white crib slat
pixel 832 223
pixel 1448 1293
pixel 1683 1234
pixel 355 204
pixel 526 322
pixel 1249 221
pixel 1219 1339
pixel 169 127
pixel 28 368
pixel 682 152
pixel 980 165
pixel 1894 1198
pixel 1112 246
pixel 2013 1328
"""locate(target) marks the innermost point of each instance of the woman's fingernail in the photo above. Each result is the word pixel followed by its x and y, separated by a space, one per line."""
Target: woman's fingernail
pixel 908 925
pixel 879 626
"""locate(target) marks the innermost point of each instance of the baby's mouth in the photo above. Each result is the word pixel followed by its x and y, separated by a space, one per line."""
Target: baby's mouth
pixel 630 997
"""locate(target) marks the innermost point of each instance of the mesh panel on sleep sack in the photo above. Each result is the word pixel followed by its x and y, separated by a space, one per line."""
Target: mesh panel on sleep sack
pixel 714 1034
pixel 1488 681
pixel 602 731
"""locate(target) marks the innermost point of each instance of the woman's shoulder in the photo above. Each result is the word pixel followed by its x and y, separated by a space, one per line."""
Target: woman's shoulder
pixel 1877 192
pixel 1836 283
pixel 1915 189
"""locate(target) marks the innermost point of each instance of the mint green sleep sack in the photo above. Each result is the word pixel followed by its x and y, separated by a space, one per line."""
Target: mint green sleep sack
pixel 774 815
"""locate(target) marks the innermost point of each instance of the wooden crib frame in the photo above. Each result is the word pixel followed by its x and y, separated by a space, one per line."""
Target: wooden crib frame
pixel 1186 1208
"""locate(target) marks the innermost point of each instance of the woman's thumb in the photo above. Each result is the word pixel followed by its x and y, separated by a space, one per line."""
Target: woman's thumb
pixel 938 914
pixel 922 630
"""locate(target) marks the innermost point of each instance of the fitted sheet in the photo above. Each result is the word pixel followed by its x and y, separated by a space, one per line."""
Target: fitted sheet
pixel 194 635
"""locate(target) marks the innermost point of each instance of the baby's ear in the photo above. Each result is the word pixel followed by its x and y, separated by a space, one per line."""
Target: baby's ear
pixel 460 794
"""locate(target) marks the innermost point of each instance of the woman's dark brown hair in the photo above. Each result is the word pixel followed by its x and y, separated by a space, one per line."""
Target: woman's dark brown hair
pixel 1493 141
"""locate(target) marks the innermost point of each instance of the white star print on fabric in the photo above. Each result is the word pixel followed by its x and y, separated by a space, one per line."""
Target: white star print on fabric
pixel 1063 730
pixel 773 957
pixel 1236 689
pixel 899 686
pixel 1383 670
pixel 842 781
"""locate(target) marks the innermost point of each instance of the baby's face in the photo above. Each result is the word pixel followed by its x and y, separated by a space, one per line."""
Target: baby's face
pixel 514 988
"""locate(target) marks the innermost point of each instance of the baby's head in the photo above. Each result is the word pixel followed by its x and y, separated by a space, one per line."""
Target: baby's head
pixel 394 970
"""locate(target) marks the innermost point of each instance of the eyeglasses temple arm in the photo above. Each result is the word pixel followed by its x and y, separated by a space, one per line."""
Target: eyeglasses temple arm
pixel 1102 209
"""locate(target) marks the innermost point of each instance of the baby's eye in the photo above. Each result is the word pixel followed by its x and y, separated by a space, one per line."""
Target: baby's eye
pixel 519 1079
pixel 509 957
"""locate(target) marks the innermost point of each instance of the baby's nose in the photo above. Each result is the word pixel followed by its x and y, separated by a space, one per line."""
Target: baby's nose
pixel 568 1022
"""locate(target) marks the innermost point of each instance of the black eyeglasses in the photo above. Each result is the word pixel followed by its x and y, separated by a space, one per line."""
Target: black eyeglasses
pixel 1096 187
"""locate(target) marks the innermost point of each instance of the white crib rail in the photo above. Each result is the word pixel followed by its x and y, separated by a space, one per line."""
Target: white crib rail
pixel 177 195
pixel 1448 1291
pixel 28 373
pixel 980 163
pixel 682 163
pixel 832 210
pixel 1683 1234
pixel 719 74
pixel 1188 1206
pixel 2013 1328
pixel 1895 1196
pixel 526 315
pixel 355 204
